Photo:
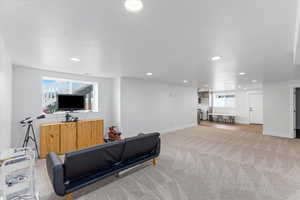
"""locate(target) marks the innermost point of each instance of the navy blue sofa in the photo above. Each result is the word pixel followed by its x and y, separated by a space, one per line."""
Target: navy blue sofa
pixel 87 166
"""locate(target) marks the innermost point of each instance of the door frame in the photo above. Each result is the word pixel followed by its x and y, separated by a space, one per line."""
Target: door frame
pixel 255 92
pixel 293 87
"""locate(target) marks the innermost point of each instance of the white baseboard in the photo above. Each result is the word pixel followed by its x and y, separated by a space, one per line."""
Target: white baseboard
pixel 177 128
pixel 277 134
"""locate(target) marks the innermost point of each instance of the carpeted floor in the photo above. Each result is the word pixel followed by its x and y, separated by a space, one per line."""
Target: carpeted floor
pixel 204 163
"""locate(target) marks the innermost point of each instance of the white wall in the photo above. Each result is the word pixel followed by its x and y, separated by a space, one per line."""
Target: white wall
pixel 136 105
pixel 27 99
pixel 148 106
pixel 5 97
pixel 117 102
pixel 296 52
pixel 277 115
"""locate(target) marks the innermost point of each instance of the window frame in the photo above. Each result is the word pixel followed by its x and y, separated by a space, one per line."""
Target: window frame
pixel 214 95
pixel 95 108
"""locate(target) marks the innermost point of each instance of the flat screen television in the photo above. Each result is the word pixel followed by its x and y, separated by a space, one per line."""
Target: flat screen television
pixel 67 102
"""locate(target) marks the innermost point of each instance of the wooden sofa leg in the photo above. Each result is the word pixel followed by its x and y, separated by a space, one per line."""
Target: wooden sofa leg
pixel 154 161
pixel 69 196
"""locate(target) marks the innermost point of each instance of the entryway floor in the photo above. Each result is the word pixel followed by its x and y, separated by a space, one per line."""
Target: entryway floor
pixel 251 128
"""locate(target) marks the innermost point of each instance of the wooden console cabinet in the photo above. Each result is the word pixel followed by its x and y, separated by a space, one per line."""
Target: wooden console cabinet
pixel 66 137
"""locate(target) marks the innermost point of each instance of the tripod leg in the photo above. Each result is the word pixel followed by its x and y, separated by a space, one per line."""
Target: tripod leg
pixel 35 142
pixel 26 137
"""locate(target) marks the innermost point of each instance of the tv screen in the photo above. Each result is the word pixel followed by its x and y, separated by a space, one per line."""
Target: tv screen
pixel 70 102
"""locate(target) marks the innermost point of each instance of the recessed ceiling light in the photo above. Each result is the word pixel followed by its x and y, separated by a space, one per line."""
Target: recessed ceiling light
pixel 149 74
pixel 75 59
pixel 134 5
pixel 185 81
pixel 215 58
pixel 242 73
pixel 254 81
pixel 239 87
pixel 245 88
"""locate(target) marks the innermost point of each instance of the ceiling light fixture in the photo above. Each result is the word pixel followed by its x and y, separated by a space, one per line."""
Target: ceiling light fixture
pixel 185 81
pixel 149 74
pixel 215 58
pixel 133 5
pixel 242 73
pixel 75 59
pixel 254 81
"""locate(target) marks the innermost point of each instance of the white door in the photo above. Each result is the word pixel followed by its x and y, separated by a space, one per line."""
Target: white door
pixel 256 108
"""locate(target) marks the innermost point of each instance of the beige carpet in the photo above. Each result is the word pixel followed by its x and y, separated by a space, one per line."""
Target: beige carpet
pixel 204 163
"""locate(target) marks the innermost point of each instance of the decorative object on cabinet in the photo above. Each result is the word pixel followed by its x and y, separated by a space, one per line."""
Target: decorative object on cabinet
pixel 114 134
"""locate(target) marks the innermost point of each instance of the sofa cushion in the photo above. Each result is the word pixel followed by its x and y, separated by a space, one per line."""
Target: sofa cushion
pixel 84 162
pixel 139 146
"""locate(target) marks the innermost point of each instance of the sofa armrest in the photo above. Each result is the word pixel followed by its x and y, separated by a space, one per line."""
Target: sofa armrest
pixel 157 151
pixel 56 173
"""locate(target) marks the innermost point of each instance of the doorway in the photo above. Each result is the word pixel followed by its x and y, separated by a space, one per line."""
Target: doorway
pixel 297 112
pixel 255 107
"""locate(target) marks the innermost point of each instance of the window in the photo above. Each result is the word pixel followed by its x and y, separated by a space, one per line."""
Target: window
pixel 53 86
pixel 224 100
